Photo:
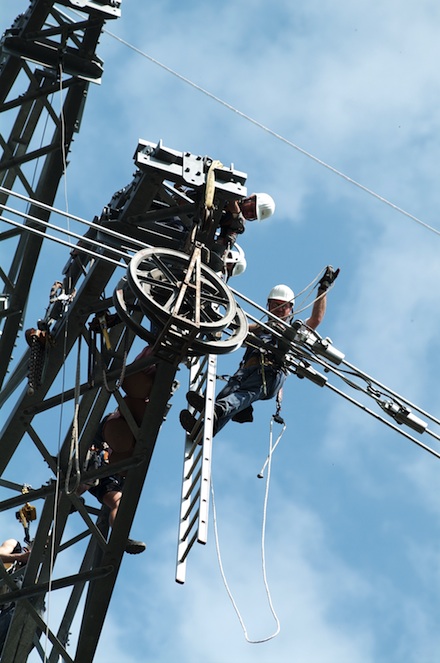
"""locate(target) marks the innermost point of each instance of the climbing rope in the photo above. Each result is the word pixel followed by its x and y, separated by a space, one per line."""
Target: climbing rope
pixel 120 380
pixel 75 419
pixel 278 419
pixel 73 464
pixel 268 463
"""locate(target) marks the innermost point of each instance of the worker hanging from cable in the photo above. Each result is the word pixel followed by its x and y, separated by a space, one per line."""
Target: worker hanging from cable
pixel 261 373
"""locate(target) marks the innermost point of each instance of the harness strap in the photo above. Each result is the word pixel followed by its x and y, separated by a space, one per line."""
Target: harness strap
pixel 263 374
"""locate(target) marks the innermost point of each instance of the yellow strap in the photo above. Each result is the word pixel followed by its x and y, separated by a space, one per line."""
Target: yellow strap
pixel 103 324
pixel 210 184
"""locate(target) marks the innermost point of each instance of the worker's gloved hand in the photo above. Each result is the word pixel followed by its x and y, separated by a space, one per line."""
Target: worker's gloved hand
pixel 329 276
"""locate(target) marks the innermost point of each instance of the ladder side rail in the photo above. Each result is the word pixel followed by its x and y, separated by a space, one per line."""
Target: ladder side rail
pixel 196 377
pixel 186 507
pixel 197 470
pixel 205 481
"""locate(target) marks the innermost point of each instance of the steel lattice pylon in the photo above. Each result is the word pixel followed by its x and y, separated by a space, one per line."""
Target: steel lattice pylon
pixel 49 51
pixel 44 54
pixel 155 248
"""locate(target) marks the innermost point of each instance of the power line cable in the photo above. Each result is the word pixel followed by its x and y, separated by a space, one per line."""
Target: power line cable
pixel 73 217
pixel 273 133
pixel 58 240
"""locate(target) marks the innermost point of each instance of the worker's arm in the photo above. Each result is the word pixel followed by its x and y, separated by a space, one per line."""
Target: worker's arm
pixel 318 310
pixel 320 303
pixel 8 557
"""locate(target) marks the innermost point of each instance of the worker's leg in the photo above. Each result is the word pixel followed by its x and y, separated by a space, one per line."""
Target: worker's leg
pixel 243 389
pixel 111 500
pixel 116 432
pixel 137 407
pixel 138 385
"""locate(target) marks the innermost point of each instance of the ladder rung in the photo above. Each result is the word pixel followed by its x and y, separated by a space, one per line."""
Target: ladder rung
pixel 190 526
pixel 196 460
pixel 191 505
pixel 190 545
pixel 193 484
pixel 189 452
pixel 197 431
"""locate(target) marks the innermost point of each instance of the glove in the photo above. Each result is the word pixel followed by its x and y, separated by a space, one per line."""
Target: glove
pixel 329 276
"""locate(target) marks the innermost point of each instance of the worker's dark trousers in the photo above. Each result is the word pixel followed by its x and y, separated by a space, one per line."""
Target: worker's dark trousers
pixel 244 388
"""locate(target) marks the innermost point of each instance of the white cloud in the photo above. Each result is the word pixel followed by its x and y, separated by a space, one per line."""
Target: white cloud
pixel 352 532
pixel 204 624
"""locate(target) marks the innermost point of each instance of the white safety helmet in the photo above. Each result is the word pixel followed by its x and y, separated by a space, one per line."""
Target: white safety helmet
pixel 282 293
pixel 265 205
pixel 235 261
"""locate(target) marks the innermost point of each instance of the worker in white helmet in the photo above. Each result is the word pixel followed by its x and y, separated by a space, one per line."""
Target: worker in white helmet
pixel 260 375
pixel 14 559
pixel 258 206
pixel 234 262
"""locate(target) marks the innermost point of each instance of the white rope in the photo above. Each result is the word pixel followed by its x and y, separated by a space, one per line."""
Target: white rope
pixel 119 380
pixel 271 448
pixel 312 283
pixel 74 440
pixel 303 306
pixel 57 487
pixel 63 144
pixel 308 289
pixel 263 549
pixel 56 500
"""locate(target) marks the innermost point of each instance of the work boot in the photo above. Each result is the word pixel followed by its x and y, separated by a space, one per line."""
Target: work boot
pixel 196 400
pixel 135 547
pixel 187 420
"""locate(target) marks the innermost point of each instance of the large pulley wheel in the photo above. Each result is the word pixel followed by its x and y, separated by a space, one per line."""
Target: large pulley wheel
pixel 227 340
pixel 171 284
pixel 131 312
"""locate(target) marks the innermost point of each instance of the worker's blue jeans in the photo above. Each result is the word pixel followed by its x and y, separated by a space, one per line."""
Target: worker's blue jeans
pixel 244 388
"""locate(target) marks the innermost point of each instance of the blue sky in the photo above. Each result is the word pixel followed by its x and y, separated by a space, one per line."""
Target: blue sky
pixel 353 536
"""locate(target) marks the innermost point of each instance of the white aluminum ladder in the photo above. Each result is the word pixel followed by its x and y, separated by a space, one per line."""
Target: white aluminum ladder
pixel 196 480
